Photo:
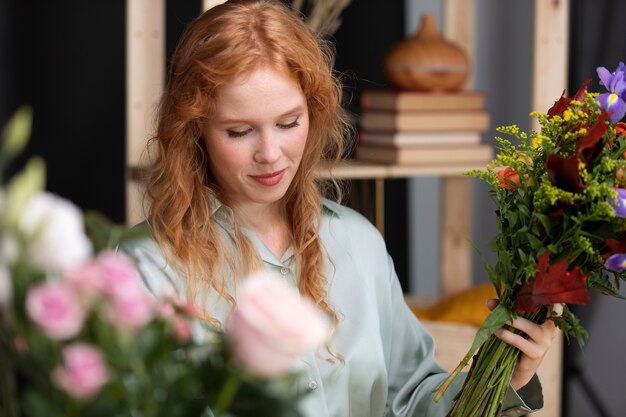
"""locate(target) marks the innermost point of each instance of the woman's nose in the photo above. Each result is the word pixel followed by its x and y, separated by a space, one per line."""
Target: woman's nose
pixel 268 149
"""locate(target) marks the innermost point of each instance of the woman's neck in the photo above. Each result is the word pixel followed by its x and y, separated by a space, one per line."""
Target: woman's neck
pixel 269 223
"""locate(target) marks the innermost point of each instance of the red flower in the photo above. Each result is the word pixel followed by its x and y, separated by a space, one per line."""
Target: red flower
pixel 552 284
pixel 615 246
pixel 564 173
pixel 620 129
pixel 561 104
pixel 590 146
pixel 508 178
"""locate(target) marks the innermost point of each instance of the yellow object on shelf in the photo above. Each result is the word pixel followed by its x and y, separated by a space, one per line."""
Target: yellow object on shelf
pixel 464 307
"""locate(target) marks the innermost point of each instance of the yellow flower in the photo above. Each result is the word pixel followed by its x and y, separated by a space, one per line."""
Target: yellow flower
pixel 568 115
pixel 539 139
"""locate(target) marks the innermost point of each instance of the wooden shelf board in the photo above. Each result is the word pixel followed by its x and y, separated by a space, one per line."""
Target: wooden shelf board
pixel 357 169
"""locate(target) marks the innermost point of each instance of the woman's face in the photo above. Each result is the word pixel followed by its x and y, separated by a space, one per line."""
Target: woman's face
pixel 256 137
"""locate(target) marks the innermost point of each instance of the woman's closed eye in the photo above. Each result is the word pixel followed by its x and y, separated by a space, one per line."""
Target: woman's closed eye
pixel 291 125
pixel 238 133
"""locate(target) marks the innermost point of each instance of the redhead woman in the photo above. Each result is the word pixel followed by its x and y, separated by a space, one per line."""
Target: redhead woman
pixel 250 110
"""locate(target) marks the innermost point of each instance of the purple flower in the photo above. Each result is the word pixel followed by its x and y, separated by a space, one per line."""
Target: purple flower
pixel 612 102
pixel 616 262
pixel 620 207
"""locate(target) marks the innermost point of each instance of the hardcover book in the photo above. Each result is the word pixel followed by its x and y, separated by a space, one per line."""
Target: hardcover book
pixel 426 138
pixel 425 155
pixel 393 100
pixel 445 121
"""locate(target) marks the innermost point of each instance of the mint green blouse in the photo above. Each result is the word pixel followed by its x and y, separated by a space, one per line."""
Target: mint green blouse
pixel 389 369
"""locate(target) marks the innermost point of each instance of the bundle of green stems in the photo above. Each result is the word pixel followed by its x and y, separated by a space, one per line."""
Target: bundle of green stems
pixel 489 377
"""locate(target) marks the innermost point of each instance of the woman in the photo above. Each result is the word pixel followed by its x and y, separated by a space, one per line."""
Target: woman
pixel 250 109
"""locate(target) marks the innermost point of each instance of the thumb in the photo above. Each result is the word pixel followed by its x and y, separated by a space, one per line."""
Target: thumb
pixel 491 303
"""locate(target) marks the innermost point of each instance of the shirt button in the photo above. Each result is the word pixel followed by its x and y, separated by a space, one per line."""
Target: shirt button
pixel 284 270
pixel 312 385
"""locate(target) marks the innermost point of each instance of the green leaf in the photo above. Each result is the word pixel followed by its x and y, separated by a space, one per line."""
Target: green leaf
pixel 570 326
pixel 105 234
pixel 512 218
pixel 15 134
pixel 545 222
pixel 22 188
pixel 600 283
pixel 534 242
pixel 490 271
pixel 495 320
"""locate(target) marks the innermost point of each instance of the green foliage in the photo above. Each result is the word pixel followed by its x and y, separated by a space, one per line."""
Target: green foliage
pixel 535 215
pixel 557 216
pixel 104 234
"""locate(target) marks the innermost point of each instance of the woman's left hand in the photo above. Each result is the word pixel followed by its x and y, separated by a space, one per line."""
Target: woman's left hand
pixel 533 348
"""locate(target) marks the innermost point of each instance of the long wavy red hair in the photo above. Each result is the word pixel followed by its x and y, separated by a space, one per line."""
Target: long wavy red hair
pixel 221 44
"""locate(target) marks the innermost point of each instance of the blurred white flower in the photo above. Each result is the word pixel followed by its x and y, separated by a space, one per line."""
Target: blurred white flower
pixel 6 286
pixel 57 227
pixel 9 249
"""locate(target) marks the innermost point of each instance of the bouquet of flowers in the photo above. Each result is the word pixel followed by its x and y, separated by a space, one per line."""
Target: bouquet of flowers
pixel 561 215
pixel 80 335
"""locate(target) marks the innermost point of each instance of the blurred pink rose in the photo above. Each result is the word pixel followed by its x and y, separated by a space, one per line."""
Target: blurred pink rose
pixel 56 308
pixel 181 327
pixel 88 279
pixel 120 275
pixel 133 310
pixel 165 310
pixel 83 372
pixel 273 325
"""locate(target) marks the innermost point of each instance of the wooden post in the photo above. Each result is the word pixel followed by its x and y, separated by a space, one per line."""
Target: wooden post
pixel 549 54
pixel 207 4
pixel 458 26
pixel 455 263
pixel 145 74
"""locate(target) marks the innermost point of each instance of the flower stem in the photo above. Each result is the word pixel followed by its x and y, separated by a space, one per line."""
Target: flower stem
pixel 485 387
pixel 226 395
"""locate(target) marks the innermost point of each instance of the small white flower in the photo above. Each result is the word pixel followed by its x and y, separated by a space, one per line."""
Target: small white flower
pixel 6 286
pixel 57 227
pixel 9 249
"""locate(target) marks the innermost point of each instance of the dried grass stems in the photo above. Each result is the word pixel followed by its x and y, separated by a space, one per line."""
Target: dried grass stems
pixel 322 16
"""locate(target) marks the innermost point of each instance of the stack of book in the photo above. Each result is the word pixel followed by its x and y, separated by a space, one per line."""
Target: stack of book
pixel 414 127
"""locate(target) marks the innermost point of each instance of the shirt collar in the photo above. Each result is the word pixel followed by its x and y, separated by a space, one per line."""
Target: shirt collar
pixel 224 216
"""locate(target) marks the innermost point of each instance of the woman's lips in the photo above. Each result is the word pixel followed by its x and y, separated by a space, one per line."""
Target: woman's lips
pixel 269 179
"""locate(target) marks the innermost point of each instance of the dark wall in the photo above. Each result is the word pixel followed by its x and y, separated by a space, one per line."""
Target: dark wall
pixel 368 31
pixel 66 59
pixel 594 378
pixel 7 77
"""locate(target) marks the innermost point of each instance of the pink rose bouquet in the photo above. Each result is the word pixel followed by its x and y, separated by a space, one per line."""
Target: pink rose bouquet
pixel 81 336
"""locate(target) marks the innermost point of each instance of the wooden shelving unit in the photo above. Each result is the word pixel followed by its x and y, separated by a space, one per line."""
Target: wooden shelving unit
pixel 146 54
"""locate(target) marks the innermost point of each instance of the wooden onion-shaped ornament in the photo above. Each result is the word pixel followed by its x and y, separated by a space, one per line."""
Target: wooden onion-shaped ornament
pixel 426 61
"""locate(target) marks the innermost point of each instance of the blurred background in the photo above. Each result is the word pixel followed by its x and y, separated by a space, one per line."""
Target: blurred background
pixel 66 59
